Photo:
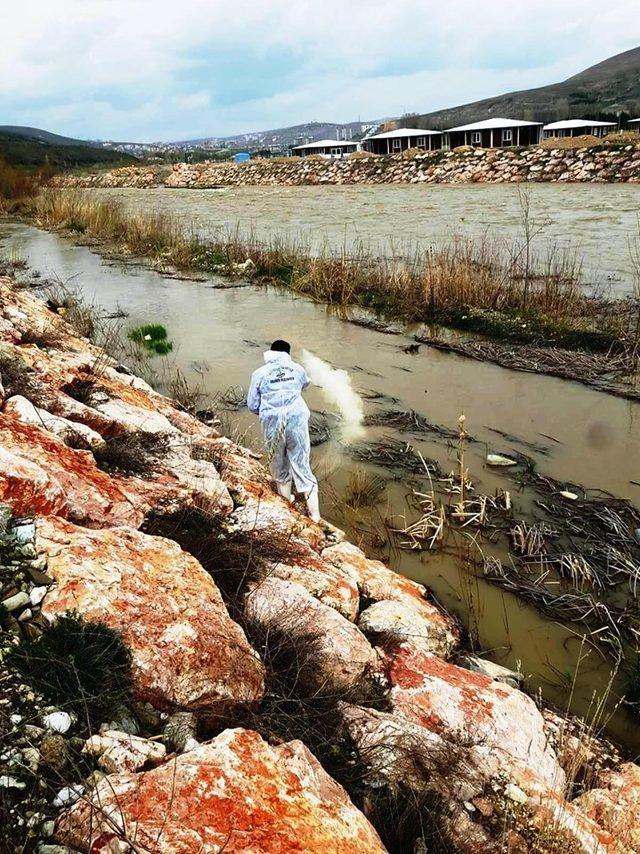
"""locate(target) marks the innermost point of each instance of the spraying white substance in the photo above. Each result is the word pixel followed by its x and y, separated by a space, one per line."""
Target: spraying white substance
pixel 338 390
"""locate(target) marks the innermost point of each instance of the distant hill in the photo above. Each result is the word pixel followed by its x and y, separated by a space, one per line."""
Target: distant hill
pixel 603 90
pixel 284 137
pixel 32 147
pixel 44 136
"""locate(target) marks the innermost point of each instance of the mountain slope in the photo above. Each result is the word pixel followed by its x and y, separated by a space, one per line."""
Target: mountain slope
pixel 43 136
pixel 32 151
pixel 604 89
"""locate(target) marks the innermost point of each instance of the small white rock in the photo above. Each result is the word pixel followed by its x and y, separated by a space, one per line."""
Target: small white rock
pixel 31 756
pixel 499 460
pixel 16 719
pixel 571 496
pixel 48 827
pixel 37 594
pixel 18 600
pixel 9 782
pixel 515 793
pixel 68 795
pixel 57 721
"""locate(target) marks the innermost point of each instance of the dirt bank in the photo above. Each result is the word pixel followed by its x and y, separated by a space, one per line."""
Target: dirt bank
pixel 599 164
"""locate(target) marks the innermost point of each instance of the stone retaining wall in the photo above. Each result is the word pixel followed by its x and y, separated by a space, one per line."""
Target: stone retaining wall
pixel 600 164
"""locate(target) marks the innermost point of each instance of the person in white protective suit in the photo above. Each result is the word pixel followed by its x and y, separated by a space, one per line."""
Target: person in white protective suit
pixel 275 395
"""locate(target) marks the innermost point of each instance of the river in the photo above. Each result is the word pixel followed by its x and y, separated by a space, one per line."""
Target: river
pixel 595 222
pixel 583 435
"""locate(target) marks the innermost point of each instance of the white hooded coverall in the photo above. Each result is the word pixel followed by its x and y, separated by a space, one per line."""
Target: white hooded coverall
pixel 275 395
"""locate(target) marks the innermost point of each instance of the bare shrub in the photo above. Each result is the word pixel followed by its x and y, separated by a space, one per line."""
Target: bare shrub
pixel 132 453
pixel 18 378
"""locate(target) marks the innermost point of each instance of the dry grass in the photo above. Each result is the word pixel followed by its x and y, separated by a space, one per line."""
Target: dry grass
pixel 361 155
pixel 569 143
pixel 19 184
pixel 363 489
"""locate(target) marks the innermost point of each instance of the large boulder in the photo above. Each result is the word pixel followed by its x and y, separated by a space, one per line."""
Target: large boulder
pixel 496 729
pixel 456 733
pixel 472 816
pixel 269 516
pixel 399 607
pixel 187 652
pixel 234 794
pixel 71 433
pixel 333 655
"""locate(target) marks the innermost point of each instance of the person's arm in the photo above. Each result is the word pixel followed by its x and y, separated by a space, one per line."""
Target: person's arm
pixel 253 397
pixel 306 382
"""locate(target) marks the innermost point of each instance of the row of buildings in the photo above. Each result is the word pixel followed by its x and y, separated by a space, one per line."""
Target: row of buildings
pixel 490 133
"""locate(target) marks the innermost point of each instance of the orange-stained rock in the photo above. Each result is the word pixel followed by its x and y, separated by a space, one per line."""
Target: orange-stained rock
pixel 615 804
pixel 27 487
pixel 39 474
pixel 499 729
pixel 187 652
pixel 396 751
pixel 269 515
pixel 452 728
pixel 421 625
pixel 333 654
pixel 69 431
pixel 375 580
pixel 330 584
pixel 240 468
pixel 401 610
pixel 236 794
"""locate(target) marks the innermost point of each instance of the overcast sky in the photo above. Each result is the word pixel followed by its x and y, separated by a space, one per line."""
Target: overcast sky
pixel 176 69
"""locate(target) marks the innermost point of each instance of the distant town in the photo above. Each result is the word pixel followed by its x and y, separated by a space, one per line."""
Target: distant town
pixel 386 137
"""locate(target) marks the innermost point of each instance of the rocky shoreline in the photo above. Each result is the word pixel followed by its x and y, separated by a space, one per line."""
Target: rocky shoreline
pixel 599 164
pixel 288 693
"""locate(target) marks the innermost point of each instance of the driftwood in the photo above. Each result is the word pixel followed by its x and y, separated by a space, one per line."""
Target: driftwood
pixel 607 372
pixel 394 454
pixel 409 421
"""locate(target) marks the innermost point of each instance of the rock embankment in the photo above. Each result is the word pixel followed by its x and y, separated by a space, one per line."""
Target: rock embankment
pixel 239 589
pixel 600 164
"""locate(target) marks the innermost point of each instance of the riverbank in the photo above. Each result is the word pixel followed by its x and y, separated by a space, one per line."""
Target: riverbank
pixel 480 288
pixel 249 627
pixel 600 163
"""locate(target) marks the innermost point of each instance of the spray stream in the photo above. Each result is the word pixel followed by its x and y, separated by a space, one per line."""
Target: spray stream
pixel 338 390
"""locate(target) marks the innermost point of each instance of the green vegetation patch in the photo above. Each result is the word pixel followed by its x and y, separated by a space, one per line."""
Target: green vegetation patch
pixel 153 338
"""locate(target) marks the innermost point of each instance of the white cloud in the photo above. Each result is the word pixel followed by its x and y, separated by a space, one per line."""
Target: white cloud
pixel 146 69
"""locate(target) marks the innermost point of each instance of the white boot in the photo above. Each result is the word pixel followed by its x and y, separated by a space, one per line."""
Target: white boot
pixel 313 505
pixel 284 489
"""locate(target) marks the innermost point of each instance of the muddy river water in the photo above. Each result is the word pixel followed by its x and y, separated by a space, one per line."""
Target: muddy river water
pixel 583 436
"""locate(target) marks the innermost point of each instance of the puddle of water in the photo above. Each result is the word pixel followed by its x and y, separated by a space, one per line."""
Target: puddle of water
pixel 390 217
pixel 219 337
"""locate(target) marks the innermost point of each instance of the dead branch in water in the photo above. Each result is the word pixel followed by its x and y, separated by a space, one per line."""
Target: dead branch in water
pixel 607 372
pixel 408 421
pixel 611 626
pixel 395 454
